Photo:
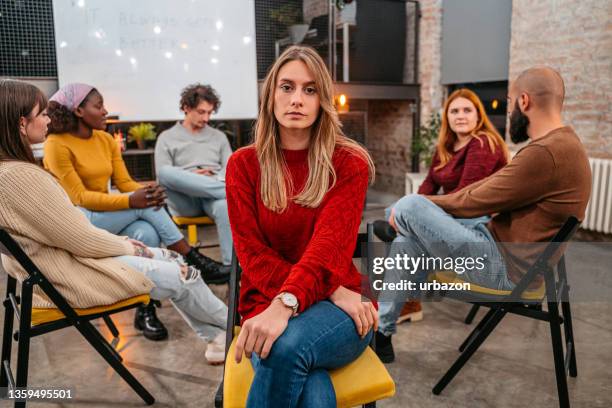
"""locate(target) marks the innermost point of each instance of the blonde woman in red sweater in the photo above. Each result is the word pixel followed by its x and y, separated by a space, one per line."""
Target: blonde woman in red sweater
pixel 295 198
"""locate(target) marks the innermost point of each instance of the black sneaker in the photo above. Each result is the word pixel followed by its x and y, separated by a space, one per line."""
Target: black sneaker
pixel 384 231
pixel 384 348
pixel 146 320
pixel 211 270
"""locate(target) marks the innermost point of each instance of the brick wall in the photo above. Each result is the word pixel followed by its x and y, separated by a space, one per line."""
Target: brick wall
pixel 389 139
pixel 574 37
pixel 430 45
pixel 411 19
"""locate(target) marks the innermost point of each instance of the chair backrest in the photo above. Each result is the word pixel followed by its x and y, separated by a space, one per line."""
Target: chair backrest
pixel 3 250
pixel 554 250
pixel 10 247
pixel 361 250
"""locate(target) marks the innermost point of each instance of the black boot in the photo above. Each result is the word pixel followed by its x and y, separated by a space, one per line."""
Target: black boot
pixel 384 348
pixel 211 270
pixel 384 231
pixel 146 320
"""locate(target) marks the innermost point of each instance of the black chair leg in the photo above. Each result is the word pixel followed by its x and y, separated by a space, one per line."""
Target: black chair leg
pixel 472 313
pixel 111 326
pixel 23 355
pixel 23 343
pixel 470 349
pixel 557 345
pixel 7 335
pixel 369 405
pixel 569 337
pixel 97 341
pixel 219 396
pixel 476 329
pixel 108 345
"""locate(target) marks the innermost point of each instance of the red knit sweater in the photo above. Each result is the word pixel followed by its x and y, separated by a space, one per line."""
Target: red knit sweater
pixel 304 251
pixel 469 164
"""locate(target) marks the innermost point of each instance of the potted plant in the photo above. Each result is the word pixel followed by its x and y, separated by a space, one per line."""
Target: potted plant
pixel 141 133
pixel 425 142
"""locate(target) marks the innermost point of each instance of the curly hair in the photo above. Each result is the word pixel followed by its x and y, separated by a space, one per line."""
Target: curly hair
pixel 193 94
pixel 63 120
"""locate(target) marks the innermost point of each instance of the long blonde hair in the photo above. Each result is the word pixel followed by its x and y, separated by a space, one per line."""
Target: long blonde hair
pixel 326 136
pixel 447 138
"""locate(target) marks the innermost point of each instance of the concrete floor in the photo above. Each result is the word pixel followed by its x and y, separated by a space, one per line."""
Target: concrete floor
pixel 512 369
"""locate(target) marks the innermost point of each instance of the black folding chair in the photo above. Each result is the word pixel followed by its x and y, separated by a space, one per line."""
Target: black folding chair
pixel 471 314
pixel 556 290
pixel 385 387
pixel 20 307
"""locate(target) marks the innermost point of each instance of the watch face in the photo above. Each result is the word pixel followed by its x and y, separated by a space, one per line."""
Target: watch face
pixel 289 299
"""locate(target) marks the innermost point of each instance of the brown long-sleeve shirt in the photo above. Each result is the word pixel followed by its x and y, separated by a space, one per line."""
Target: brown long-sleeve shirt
pixel 547 181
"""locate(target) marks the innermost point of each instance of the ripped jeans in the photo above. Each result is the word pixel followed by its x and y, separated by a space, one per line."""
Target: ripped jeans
pixel 202 310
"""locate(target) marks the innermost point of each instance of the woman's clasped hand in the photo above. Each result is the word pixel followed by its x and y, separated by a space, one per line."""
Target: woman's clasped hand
pixel 152 195
pixel 259 333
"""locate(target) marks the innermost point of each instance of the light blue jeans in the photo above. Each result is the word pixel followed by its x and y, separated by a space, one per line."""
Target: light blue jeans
pixel 295 374
pixel 191 195
pixel 147 225
pixel 424 229
pixel 201 309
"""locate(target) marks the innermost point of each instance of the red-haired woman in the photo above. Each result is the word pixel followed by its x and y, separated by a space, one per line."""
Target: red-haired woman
pixel 469 149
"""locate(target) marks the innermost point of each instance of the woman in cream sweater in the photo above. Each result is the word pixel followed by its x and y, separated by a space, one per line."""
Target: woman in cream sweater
pixel 88 266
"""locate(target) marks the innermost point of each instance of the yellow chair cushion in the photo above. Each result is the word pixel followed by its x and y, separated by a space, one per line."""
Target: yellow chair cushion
pixel 40 315
pixel 193 220
pixel 364 380
pixel 452 277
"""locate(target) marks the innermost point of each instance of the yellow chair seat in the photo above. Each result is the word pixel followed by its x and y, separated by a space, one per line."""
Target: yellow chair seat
pixel 452 277
pixel 182 221
pixel 192 226
pixel 364 380
pixel 41 315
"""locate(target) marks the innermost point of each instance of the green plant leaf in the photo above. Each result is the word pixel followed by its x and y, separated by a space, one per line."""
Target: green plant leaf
pixel 142 131
pixel 425 143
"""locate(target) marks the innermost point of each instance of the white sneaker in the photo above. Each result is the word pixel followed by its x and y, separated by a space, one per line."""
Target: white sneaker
pixel 215 352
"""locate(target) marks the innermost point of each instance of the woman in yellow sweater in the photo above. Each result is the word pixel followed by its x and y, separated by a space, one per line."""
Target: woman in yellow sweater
pixel 85 159
pixel 87 265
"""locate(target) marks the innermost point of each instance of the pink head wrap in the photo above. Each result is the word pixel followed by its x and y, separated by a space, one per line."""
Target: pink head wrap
pixel 71 95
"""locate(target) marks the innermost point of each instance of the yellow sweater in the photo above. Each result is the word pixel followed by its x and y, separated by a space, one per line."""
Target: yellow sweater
pixel 75 256
pixel 85 166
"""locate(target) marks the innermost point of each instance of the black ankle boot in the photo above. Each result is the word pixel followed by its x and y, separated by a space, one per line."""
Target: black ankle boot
pixel 384 348
pixel 384 231
pixel 146 320
pixel 211 270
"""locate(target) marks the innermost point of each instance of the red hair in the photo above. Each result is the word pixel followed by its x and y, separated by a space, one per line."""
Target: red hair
pixel 484 127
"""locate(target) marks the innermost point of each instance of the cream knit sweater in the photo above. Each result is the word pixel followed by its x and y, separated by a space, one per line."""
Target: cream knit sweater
pixel 76 257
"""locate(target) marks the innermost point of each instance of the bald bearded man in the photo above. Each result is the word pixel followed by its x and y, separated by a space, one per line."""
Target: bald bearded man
pixel 547 181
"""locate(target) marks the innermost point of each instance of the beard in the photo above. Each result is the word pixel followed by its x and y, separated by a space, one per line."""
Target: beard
pixel 518 125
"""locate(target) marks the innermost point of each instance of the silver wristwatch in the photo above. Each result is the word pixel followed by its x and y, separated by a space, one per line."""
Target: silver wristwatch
pixel 289 300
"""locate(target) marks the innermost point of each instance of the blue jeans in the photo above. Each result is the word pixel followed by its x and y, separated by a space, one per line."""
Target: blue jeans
pixel 426 229
pixel 295 372
pixel 201 309
pixel 191 195
pixel 146 225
